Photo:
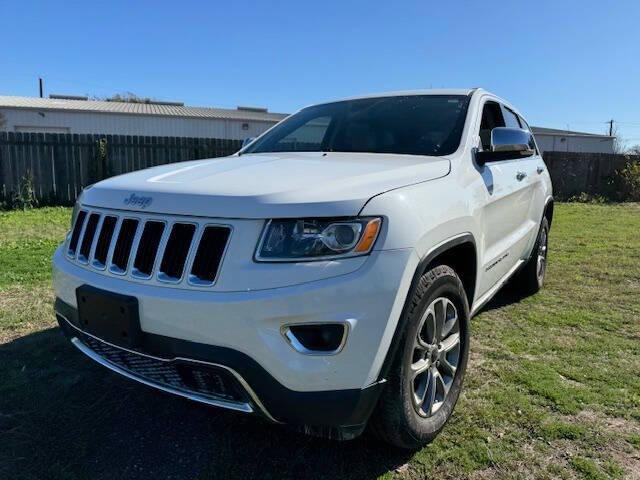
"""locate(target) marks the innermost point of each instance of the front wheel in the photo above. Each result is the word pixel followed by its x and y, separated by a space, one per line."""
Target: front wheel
pixel 427 373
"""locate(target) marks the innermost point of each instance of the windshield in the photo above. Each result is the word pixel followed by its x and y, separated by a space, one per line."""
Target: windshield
pixel 411 124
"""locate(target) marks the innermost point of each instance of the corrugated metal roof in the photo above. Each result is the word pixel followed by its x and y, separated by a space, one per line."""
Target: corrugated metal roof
pixel 567 133
pixel 99 106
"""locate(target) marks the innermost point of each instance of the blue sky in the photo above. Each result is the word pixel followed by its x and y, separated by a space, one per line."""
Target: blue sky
pixel 563 63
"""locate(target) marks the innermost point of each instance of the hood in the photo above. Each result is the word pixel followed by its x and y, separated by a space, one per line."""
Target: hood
pixel 265 185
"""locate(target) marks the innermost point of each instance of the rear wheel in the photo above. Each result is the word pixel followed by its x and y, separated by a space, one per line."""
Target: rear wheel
pixel 531 278
pixel 427 373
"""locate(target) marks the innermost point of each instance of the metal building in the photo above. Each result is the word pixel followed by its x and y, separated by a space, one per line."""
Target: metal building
pixel 82 116
pixel 552 140
pixel 67 114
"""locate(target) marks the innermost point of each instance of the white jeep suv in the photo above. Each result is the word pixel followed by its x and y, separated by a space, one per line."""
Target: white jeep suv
pixel 325 275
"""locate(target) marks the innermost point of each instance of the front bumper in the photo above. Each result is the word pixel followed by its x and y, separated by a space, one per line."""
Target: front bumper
pixel 240 383
pixel 240 332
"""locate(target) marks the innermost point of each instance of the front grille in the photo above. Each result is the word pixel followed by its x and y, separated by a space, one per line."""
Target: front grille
pixel 77 230
pixel 177 250
pixel 148 248
pixel 126 236
pixel 207 380
pixel 87 239
pixel 104 240
pixel 209 254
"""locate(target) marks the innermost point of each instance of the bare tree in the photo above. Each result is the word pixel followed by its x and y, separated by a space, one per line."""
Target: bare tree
pixel 618 142
pixel 634 150
pixel 125 97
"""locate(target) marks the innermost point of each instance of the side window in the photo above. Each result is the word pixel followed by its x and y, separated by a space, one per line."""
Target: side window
pixel 525 126
pixel 491 118
pixel 510 118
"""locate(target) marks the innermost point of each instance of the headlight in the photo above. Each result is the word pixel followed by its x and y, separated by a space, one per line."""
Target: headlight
pixel 317 239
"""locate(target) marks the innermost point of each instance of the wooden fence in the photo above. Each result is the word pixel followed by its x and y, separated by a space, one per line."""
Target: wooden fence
pixel 574 173
pixel 61 165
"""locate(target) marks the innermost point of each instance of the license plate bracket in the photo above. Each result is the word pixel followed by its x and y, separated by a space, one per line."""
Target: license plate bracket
pixel 110 316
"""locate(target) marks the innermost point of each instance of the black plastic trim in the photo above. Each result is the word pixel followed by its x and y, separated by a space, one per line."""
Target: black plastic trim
pixel 420 270
pixel 549 204
pixel 345 410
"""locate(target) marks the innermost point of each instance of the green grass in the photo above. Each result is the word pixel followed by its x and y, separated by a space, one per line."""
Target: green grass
pixel 552 387
pixel 27 240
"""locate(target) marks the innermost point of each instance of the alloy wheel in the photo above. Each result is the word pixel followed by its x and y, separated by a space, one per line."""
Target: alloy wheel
pixel 435 357
pixel 541 264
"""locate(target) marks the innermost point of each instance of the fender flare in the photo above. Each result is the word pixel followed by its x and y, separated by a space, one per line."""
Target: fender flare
pixel 420 271
pixel 549 203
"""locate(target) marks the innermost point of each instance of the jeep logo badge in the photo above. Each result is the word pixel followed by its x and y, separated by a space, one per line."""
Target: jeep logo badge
pixel 136 201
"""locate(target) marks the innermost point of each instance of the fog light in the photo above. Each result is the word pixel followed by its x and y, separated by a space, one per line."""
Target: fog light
pixel 316 339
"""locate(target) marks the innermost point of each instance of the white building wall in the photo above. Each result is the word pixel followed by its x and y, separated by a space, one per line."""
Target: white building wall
pixel 52 121
pixel 574 143
pixel 26 120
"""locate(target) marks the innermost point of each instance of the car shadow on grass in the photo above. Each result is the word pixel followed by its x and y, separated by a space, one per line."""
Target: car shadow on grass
pixel 62 416
pixel 508 295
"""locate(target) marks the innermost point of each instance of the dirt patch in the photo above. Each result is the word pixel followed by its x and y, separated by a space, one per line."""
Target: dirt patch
pixel 570 381
pixel 630 463
pixel 616 425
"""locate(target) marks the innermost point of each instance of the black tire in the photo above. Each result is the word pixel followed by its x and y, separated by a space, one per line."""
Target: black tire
pixel 397 419
pixel 530 278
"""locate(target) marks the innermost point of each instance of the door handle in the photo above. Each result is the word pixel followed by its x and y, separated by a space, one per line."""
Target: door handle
pixel 520 176
pixel 540 169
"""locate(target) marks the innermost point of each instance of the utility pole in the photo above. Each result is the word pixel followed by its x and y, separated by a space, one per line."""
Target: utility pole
pixel 41 87
pixel 610 122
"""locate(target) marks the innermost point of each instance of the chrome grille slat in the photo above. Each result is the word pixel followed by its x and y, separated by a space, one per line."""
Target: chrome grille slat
pixel 177 251
pixel 134 245
pixel 81 236
pixel 103 244
pixel 88 237
pixel 124 246
pixel 76 233
pixel 205 265
pixel 147 248
pixel 96 237
pixel 183 258
pixel 114 237
pixel 162 247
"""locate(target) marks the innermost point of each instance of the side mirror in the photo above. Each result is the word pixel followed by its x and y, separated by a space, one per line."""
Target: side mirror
pixel 247 141
pixel 507 143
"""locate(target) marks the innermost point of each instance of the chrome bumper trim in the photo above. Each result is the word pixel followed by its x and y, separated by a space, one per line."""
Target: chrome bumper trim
pixel 237 406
